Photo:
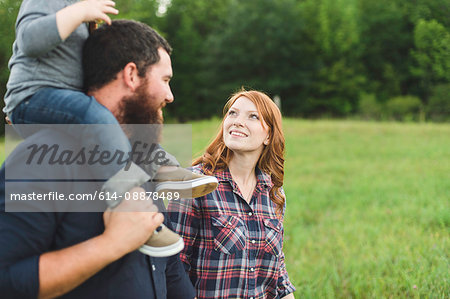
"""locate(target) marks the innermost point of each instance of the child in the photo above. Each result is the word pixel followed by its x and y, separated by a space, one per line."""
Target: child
pixel 45 86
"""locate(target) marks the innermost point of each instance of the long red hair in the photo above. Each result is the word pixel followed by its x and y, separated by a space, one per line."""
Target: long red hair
pixel 271 161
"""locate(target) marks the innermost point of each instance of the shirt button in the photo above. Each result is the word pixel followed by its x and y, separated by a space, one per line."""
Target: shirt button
pixel 252 269
pixel 253 241
pixel 250 213
pixel 153 267
pixel 251 297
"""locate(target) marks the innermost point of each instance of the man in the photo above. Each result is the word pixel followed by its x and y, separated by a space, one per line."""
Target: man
pixel 93 255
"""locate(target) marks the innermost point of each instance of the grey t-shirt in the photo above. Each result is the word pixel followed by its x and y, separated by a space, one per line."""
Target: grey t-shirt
pixel 40 58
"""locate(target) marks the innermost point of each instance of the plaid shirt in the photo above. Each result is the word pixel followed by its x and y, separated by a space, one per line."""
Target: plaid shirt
pixel 233 249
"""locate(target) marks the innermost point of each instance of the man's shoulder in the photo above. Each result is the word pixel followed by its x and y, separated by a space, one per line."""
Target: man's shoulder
pixel 42 151
pixel 43 173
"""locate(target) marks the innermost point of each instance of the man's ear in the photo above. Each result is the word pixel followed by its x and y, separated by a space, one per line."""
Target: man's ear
pixel 131 76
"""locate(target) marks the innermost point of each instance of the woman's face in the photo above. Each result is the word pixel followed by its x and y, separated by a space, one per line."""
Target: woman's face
pixel 242 129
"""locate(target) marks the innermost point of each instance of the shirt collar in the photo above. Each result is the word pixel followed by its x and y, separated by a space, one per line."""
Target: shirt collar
pixel 264 180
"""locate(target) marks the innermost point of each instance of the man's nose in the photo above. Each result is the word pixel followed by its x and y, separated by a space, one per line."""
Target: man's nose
pixel 169 96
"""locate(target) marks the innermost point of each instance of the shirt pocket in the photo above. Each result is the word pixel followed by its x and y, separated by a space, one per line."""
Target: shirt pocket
pixel 274 236
pixel 229 234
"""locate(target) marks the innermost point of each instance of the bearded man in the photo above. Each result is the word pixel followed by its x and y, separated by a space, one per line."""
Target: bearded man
pixel 94 255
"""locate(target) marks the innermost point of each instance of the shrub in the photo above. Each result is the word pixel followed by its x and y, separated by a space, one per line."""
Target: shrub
pixel 368 107
pixel 404 108
pixel 438 108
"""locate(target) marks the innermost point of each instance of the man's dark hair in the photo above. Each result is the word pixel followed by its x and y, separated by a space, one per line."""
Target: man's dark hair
pixel 111 47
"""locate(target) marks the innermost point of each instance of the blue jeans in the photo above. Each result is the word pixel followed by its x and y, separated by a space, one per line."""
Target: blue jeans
pixel 63 106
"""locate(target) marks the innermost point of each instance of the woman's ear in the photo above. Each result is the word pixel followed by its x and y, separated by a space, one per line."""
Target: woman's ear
pixel 266 141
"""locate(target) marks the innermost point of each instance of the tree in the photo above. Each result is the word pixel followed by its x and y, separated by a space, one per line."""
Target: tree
pixel 319 56
pixel 8 14
pixel 386 39
pixel 431 55
pixel 187 25
pixel 339 79
pixel 145 11
pixel 260 46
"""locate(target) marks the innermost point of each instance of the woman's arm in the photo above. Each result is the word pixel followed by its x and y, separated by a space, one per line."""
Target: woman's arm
pixel 285 286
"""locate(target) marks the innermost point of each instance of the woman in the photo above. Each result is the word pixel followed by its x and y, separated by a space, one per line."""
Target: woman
pixel 233 236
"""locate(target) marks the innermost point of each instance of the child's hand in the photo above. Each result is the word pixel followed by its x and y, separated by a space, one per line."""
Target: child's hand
pixel 72 16
pixel 98 9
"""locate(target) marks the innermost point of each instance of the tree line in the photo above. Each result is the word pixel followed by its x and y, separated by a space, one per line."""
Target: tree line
pixel 375 59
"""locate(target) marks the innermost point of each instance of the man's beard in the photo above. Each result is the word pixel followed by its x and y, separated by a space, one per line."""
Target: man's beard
pixel 138 108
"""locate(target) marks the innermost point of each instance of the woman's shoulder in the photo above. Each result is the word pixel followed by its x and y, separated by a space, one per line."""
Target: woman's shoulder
pixel 198 169
pixel 220 174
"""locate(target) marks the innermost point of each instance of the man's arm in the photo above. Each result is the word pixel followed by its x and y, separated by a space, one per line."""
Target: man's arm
pixel 28 269
pixel 63 270
pixel 178 284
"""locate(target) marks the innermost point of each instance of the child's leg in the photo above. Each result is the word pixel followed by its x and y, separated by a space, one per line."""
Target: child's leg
pixel 170 178
pixel 54 106
pixel 153 168
pixel 89 122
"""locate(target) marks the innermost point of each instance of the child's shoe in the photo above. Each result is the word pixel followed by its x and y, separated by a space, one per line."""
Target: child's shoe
pixel 185 182
pixel 162 243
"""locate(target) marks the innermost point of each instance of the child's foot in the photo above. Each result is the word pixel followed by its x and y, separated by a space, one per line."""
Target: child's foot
pixel 162 243
pixel 185 182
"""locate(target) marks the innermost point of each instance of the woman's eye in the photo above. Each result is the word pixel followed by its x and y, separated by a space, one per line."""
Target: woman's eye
pixel 254 116
pixel 231 112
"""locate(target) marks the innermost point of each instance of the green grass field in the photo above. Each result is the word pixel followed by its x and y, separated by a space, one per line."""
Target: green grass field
pixel 368 207
pixel 368 211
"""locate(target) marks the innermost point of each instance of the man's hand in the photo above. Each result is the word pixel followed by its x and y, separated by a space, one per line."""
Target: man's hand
pixel 131 223
pixel 127 227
